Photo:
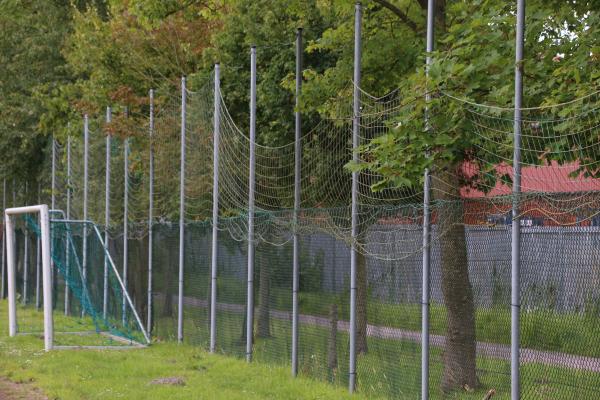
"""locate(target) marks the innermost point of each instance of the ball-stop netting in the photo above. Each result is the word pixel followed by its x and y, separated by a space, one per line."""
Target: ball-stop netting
pixel 470 248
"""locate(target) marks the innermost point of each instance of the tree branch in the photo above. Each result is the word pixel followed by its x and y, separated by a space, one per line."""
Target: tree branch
pixel 440 9
pixel 423 4
pixel 399 13
pixel 181 7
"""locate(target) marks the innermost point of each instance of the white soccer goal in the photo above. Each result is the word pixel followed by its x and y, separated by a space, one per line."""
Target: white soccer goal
pixel 10 213
pixel 98 311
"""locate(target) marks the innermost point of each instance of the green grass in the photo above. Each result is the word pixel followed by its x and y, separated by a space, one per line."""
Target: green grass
pixel 390 369
pixel 95 374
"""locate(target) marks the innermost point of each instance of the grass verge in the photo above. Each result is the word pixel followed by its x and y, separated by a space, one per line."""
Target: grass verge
pixel 391 368
pixel 96 374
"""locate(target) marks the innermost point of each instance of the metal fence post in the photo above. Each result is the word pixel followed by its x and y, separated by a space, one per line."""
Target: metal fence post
pixel 215 209
pixel 125 220
pixel 11 271
pixel 25 252
pixel 181 212
pixel 38 255
pixel 53 207
pixel 2 289
pixel 85 195
pixel 106 211
pixel 426 290
pixel 150 211
pixel 516 223
pixel 297 172
pixel 355 144
pixel 53 183
pixel 251 183
pixel 67 257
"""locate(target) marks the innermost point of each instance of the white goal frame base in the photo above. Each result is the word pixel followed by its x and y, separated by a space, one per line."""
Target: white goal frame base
pixel 9 213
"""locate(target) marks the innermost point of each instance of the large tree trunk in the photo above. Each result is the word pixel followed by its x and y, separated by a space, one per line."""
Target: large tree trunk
pixel 460 350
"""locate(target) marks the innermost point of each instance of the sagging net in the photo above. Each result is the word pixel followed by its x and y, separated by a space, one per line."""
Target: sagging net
pixel 470 250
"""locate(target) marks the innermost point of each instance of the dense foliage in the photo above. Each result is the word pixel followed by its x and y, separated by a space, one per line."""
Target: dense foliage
pixel 61 58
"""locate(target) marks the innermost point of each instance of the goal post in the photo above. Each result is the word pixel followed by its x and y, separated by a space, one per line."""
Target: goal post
pixel 103 314
pixel 10 214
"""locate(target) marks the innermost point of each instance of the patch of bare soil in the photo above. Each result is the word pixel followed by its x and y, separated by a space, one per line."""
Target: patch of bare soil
pixel 10 390
pixel 174 381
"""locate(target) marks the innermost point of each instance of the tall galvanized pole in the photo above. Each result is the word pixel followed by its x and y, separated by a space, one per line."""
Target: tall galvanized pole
pixel 25 253
pixel 38 256
pixel 2 289
pixel 181 212
pixel 53 205
pixel 251 185
pixel 86 134
pixel 516 222
pixel 355 144
pixel 125 221
pixel 106 212
pixel 67 257
pixel 215 209
pixel 297 172
pixel 11 278
pixel 53 183
pixel 426 290
pixel 150 212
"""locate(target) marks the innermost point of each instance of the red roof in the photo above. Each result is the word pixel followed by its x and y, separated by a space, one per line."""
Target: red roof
pixel 552 178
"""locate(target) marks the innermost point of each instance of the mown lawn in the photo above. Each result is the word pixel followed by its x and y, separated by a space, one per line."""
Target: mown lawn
pixel 391 368
pixel 127 374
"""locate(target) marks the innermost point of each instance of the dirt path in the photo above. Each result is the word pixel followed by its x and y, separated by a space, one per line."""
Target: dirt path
pixel 10 390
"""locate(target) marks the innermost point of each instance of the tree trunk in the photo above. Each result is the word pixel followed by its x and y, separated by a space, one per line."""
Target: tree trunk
pixel 460 351
pixel 264 325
